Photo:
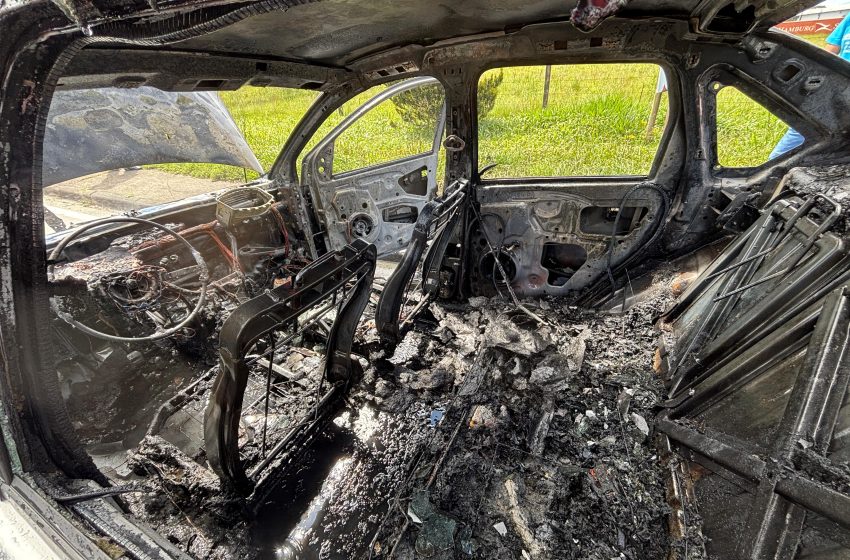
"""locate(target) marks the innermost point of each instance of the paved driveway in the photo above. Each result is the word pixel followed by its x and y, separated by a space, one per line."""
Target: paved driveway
pixel 114 192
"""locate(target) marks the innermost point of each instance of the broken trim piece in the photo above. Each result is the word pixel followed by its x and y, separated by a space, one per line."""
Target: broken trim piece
pixel 588 14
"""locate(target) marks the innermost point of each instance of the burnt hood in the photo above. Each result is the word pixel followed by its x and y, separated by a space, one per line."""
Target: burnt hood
pixel 93 130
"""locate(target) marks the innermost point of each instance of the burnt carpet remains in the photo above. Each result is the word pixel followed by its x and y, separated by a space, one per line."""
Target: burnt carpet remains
pixel 483 434
pixel 544 449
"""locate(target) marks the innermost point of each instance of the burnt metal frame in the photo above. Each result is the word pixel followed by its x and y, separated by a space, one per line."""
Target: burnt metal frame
pixel 824 271
pixel 319 179
pixel 805 311
pixel 35 46
pixel 666 171
pixel 437 221
pixel 720 76
pixel 275 310
pixel 783 493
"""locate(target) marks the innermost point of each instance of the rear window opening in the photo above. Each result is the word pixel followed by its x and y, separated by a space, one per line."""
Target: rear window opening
pixel 747 134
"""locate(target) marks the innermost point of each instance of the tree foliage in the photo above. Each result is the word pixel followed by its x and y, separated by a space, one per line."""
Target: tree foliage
pixel 488 88
pixel 421 105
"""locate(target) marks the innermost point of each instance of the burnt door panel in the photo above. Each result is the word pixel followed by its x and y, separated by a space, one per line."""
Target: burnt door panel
pixel 378 202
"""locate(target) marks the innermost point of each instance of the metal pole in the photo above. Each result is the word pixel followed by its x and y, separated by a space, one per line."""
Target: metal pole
pixel 546 81
pixel 653 115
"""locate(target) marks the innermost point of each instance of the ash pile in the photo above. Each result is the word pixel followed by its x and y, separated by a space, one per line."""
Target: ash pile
pixel 543 442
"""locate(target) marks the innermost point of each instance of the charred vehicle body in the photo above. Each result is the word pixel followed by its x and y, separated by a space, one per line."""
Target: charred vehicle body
pixel 647 365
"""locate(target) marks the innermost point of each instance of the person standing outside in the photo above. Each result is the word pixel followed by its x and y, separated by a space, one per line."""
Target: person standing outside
pixel 838 42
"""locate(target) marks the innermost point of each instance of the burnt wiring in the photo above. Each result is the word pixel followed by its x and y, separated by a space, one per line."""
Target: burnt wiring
pixel 612 242
pixel 281 223
pixel 249 251
pixel 519 305
pixel 160 333
pixel 70 499
pixel 499 247
pixel 206 229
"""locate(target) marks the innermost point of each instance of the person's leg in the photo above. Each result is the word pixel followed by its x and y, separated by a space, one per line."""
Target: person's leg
pixel 791 140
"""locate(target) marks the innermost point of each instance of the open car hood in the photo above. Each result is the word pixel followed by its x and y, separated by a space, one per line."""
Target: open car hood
pixel 93 130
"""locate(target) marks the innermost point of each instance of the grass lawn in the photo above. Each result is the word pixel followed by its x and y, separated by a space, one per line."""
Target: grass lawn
pixel 595 124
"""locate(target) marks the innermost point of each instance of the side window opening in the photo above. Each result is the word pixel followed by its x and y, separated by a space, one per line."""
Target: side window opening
pixel 393 130
pixel 748 135
pixel 571 120
pixel 400 127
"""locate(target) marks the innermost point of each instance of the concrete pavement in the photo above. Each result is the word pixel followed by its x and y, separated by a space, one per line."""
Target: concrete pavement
pixel 115 192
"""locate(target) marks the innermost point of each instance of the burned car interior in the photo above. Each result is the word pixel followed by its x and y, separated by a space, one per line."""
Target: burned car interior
pixel 432 355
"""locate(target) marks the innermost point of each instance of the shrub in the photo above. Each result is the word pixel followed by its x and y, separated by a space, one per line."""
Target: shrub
pixel 420 105
pixel 488 87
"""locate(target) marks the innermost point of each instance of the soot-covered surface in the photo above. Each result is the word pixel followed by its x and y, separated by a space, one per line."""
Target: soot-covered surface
pixel 484 434
pixel 544 452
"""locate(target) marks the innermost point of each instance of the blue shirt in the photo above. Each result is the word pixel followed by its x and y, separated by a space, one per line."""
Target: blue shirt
pixel 840 37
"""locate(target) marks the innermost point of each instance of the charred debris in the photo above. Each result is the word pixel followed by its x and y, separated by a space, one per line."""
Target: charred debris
pixel 318 409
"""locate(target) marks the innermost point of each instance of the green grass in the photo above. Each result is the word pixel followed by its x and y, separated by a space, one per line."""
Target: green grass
pixel 267 116
pixel 746 132
pixel 379 136
pixel 595 124
pixel 818 39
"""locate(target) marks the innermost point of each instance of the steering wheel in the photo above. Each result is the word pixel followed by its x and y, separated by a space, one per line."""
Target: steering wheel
pixel 204 276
